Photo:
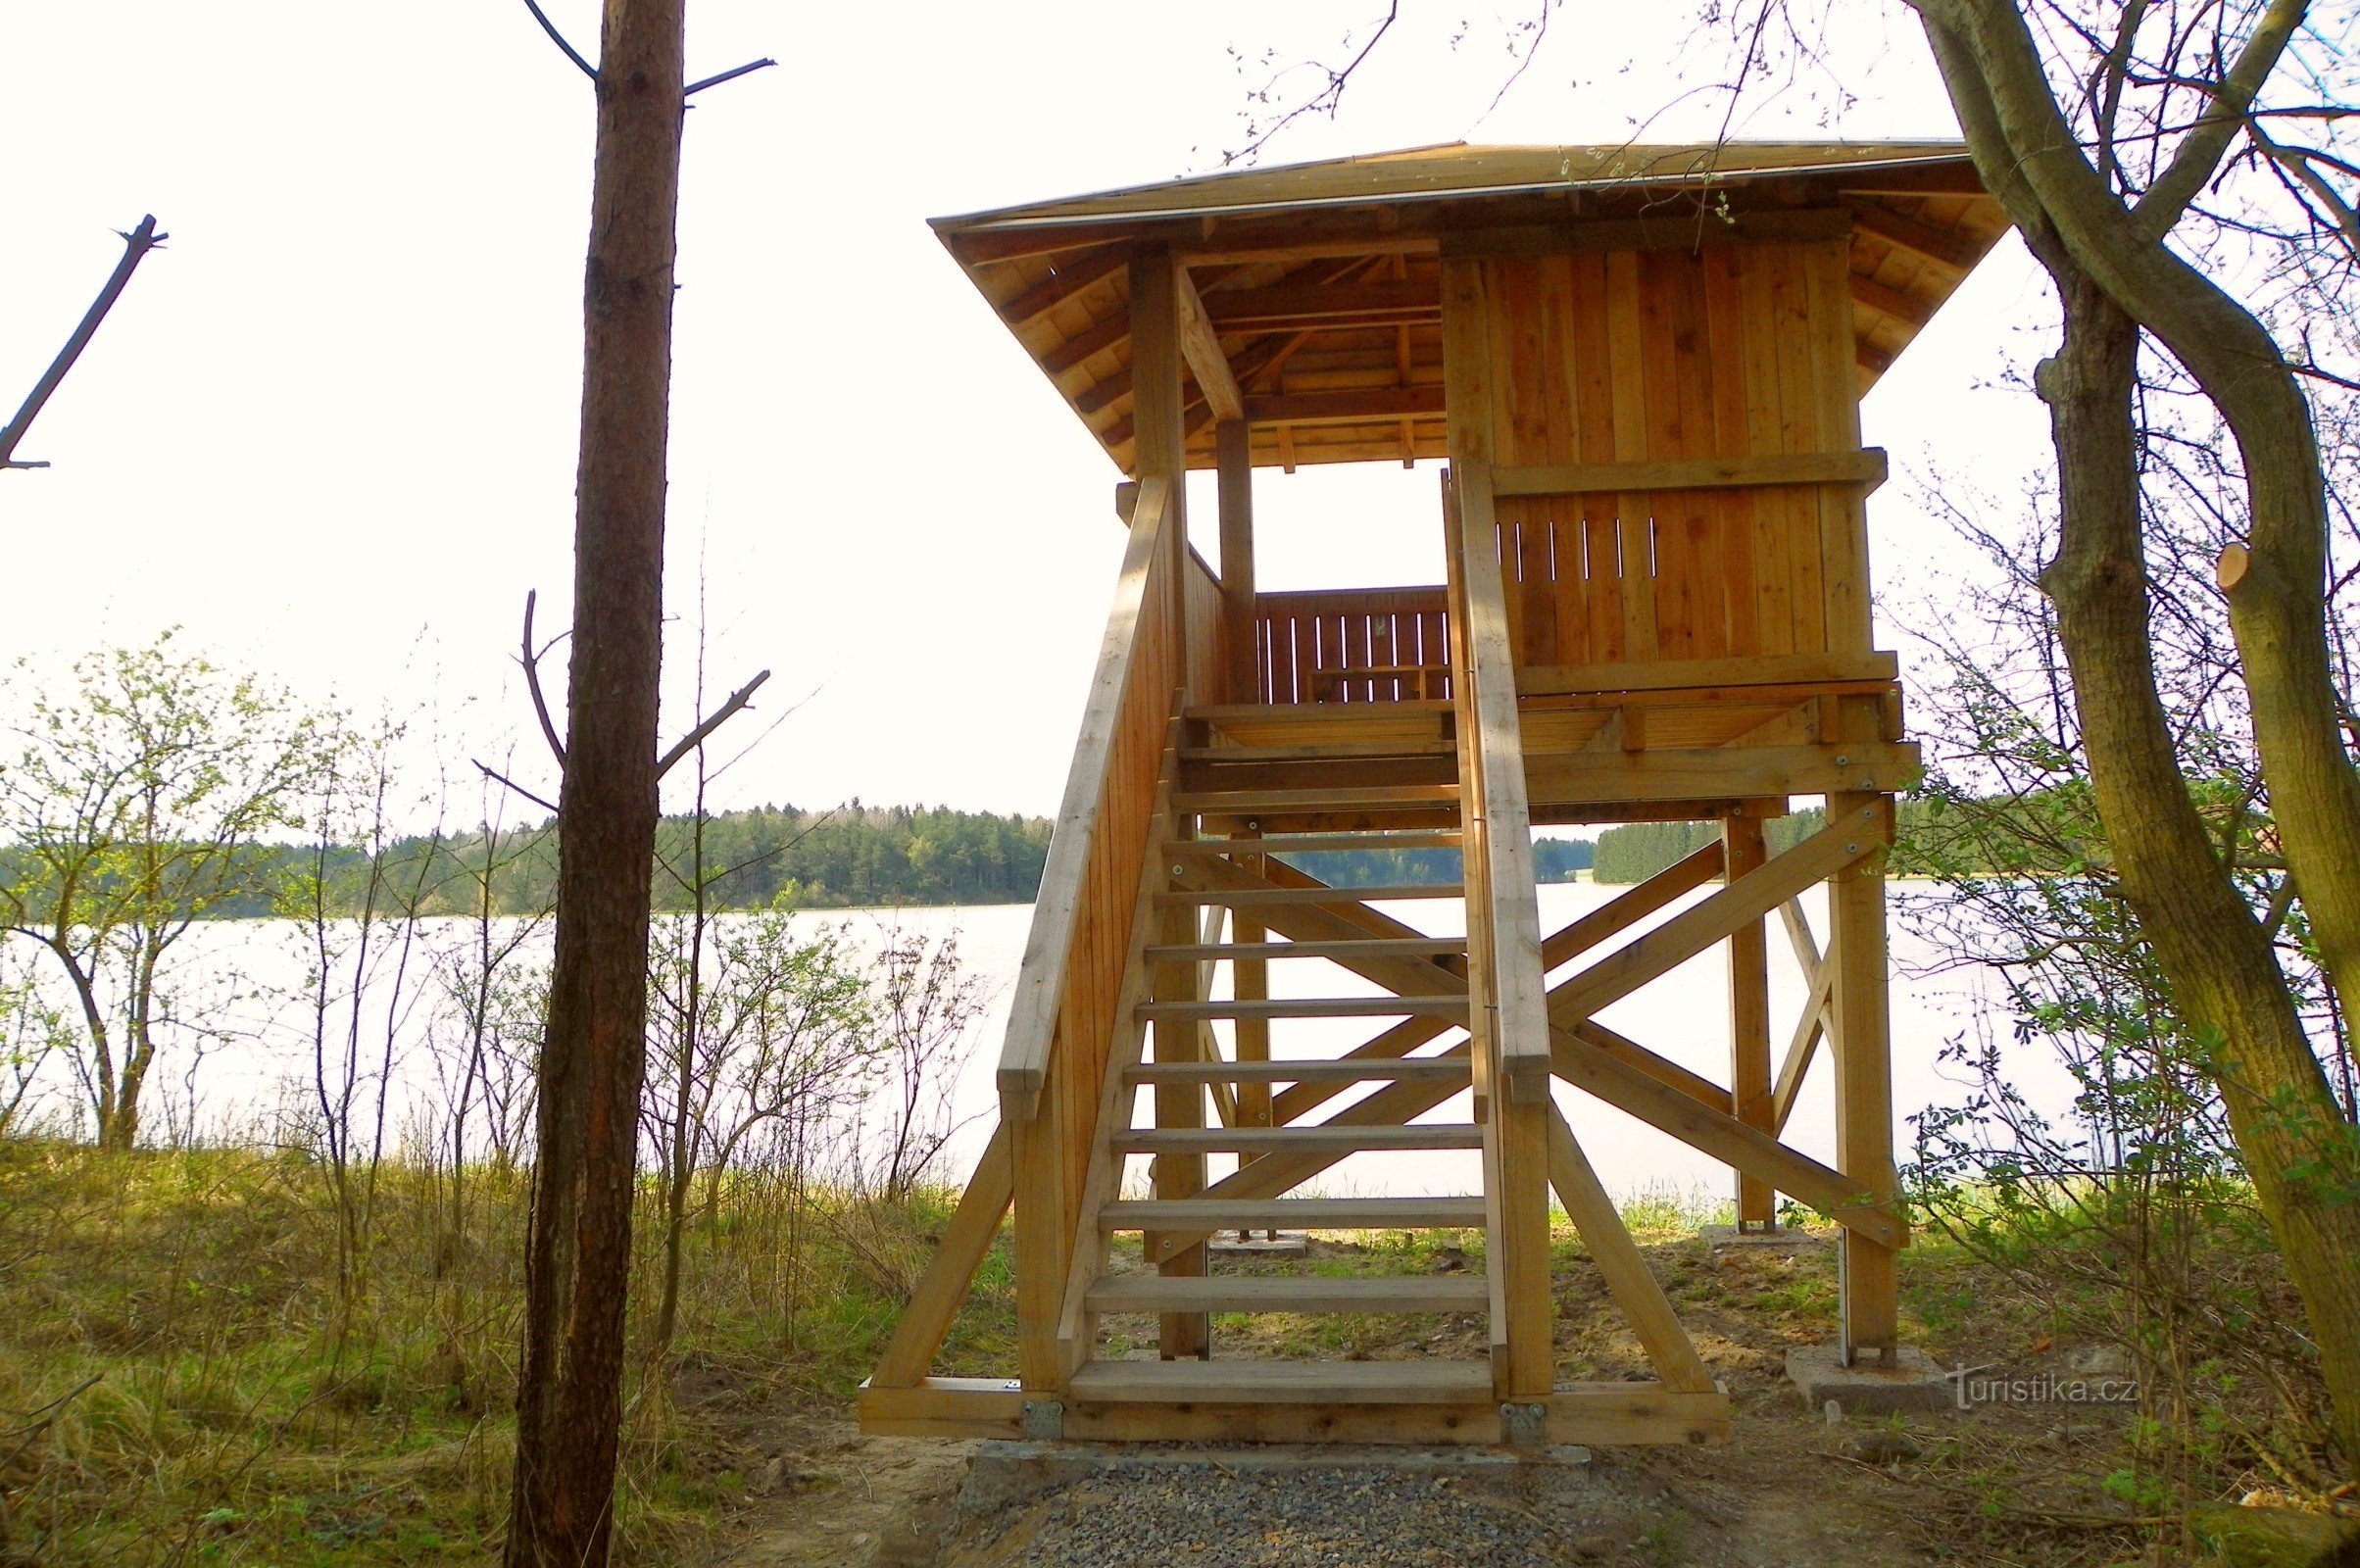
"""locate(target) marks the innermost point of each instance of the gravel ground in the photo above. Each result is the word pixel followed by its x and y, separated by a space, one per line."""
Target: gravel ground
pixel 1313 1518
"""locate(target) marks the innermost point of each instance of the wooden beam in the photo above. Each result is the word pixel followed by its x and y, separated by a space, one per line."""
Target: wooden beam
pixel 942 1408
pixel 1906 308
pixel 1817 979
pixel 1096 338
pixel 1283 252
pixel 1719 773
pixel 918 1335
pixel 1690 674
pixel 1858 833
pixel 1065 280
pixel 1241 626
pixel 1347 406
pixel 1298 305
pixel 1206 359
pixel 1795 1066
pixel 1855 1205
pixel 1864 1149
pixel 1944 248
pixel 1618 1259
pixel 1866 467
pixel 1749 1015
pixel 1583 236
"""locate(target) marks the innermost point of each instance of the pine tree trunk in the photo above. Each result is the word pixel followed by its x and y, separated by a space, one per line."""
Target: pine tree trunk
pixel 594 1055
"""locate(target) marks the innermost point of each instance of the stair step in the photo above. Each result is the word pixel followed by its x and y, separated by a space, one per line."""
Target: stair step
pixel 1314 1139
pixel 1303 714
pixel 1234 803
pixel 1439 1007
pixel 1294 1213
pixel 1246 896
pixel 1280 1292
pixel 1448 1069
pixel 1316 752
pixel 1242 1382
pixel 1372 948
pixel 1309 843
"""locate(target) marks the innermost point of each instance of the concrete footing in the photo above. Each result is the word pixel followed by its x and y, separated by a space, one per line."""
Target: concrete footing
pixel 1914 1382
pixel 1285 1243
pixel 1777 1241
pixel 1003 1474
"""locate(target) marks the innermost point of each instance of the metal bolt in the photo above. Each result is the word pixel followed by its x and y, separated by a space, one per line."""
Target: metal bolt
pixel 1844 762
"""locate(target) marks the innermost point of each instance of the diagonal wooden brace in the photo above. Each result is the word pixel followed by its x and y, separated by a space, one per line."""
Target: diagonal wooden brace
pixel 1844 841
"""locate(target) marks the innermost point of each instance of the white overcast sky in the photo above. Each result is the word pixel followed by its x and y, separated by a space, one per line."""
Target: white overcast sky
pixel 330 430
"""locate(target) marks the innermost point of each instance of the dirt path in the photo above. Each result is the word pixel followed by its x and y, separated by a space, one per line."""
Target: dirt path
pixel 2013 1484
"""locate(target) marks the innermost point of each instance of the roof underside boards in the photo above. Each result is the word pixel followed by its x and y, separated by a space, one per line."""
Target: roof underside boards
pixel 1322 281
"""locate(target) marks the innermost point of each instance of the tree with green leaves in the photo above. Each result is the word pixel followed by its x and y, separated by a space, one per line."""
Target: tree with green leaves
pixel 133 803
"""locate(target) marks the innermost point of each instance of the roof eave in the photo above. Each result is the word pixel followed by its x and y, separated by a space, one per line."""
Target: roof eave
pixel 1032 217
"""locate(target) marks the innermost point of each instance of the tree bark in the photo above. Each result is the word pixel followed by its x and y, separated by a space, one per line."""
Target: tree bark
pixel 594 1055
pixel 2225 979
pixel 2278 610
pixel 2224 976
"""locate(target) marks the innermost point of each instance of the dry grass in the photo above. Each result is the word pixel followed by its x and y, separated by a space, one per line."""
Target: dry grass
pixel 182 1382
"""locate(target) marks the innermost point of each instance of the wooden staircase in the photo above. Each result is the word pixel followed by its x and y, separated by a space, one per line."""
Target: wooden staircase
pixel 1145 1040
pixel 1220 890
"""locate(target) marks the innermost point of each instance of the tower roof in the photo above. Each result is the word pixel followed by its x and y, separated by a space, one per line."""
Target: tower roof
pixel 1319 281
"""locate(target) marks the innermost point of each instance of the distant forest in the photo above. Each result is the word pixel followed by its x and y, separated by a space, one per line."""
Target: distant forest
pixel 856 856
pixel 1639 850
pixel 852 856
pixel 1553 860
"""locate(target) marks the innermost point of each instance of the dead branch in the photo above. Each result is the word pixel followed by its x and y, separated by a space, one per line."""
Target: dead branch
pixel 732 74
pixel 498 777
pixel 559 38
pixel 697 737
pixel 137 244
pixel 531 660
pixel 591 70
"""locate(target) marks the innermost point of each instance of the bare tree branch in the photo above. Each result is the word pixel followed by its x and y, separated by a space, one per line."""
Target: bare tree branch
pixel 497 777
pixel 559 38
pixel 137 244
pixel 697 737
pixel 2197 157
pixel 1323 102
pixel 532 680
pixel 732 74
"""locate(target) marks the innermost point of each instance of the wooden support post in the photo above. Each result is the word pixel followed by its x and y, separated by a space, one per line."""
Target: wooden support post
pixel 1179 1333
pixel 1159 404
pixel 1863 1084
pixel 1044 1241
pixel 1250 981
pixel 1241 627
pixel 1750 1018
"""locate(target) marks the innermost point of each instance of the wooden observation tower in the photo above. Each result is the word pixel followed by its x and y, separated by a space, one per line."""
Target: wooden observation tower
pixel 1642 366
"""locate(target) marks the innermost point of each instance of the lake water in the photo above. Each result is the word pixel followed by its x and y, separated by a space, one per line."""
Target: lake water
pixel 1683 1016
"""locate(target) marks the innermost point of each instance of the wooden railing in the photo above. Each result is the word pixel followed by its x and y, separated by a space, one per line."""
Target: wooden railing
pixel 1101 830
pixel 1068 995
pixel 1353 645
pixel 1507 981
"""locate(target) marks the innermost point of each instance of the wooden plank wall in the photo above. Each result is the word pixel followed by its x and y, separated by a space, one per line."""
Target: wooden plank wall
pixel 1310 642
pixel 1207 617
pixel 1735 350
pixel 1054 1146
